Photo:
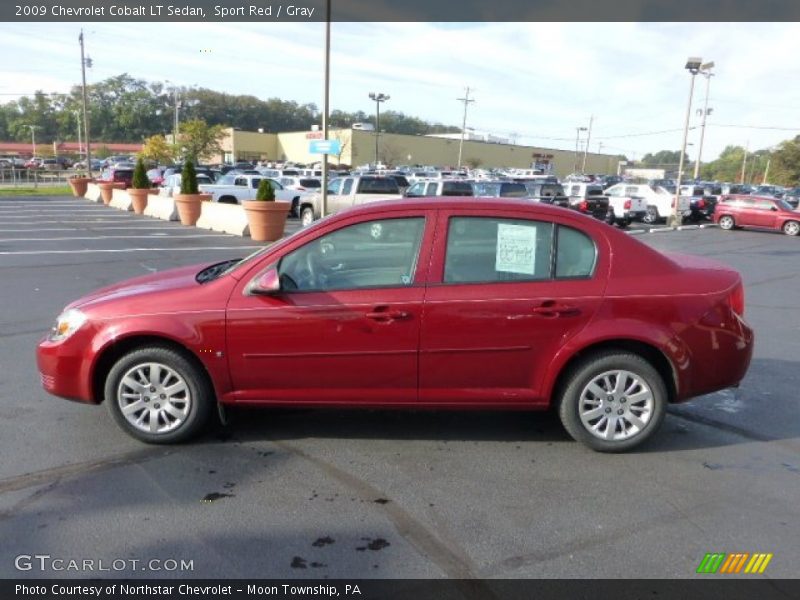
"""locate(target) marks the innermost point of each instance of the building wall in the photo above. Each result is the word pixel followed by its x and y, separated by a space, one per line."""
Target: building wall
pixel 358 148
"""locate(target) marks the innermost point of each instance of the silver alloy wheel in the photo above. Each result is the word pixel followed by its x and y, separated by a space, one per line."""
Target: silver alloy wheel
pixel 306 217
pixel 154 398
pixel 616 405
pixel 791 228
pixel 726 222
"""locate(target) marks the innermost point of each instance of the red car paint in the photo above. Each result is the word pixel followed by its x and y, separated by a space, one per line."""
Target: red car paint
pixel 757 211
pixel 482 345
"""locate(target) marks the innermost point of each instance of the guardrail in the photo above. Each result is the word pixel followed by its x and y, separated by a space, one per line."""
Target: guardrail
pixel 34 177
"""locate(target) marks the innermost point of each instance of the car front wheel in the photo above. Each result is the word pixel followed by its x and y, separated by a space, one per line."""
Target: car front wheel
pixel 612 401
pixel 727 223
pixel 158 396
pixel 791 228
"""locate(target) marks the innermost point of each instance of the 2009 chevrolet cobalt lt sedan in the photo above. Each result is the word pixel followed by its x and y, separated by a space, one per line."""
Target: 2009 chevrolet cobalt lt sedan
pixel 435 303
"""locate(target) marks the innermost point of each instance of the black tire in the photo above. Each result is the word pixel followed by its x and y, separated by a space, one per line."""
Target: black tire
pixel 306 216
pixel 651 216
pixel 228 200
pixel 295 210
pixel 197 402
pixel 577 396
pixel 623 223
pixel 791 228
pixel 727 223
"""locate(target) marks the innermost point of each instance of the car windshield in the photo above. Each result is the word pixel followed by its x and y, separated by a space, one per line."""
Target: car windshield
pixel 311 183
pixel 784 205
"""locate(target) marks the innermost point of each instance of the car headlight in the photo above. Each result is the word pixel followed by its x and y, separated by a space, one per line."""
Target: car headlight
pixel 67 323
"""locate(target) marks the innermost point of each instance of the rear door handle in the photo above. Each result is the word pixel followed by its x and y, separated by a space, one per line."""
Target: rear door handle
pixel 556 310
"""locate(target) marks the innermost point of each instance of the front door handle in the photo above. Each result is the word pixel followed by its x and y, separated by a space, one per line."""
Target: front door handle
pixel 386 316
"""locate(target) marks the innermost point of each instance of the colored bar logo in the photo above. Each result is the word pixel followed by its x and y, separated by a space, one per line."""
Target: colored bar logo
pixel 734 563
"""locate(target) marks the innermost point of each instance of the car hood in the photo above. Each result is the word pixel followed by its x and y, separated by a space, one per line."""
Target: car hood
pixel 172 279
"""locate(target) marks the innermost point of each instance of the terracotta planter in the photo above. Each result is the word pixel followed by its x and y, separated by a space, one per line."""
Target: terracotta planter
pixel 107 189
pixel 267 220
pixel 79 185
pixel 189 207
pixel 139 198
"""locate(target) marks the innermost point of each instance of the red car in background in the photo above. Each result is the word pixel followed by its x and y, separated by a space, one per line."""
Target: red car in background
pixel 734 211
pixel 494 303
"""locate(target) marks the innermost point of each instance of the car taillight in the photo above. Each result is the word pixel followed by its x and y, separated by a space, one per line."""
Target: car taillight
pixel 736 299
pixel 583 206
pixel 627 205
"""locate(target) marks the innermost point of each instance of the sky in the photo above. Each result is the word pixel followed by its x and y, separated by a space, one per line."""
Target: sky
pixel 535 82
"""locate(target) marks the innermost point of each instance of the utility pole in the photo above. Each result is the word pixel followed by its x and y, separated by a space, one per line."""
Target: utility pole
pixel 577 151
pixel 466 100
pixel 84 64
pixel 588 138
pixel 78 119
pixel 744 161
pixel 325 107
pixel 33 139
pixel 766 172
pixel 705 72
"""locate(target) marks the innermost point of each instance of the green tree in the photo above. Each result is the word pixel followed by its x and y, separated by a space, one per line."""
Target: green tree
pixel 140 180
pixel 197 139
pixel 156 148
pixel 265 191
pixel 189 178
pixel 785 164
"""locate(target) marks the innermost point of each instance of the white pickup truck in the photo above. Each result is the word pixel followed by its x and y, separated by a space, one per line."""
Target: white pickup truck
pixel 660 202
pixel 232 189
pixel 627 205
pixel 344 192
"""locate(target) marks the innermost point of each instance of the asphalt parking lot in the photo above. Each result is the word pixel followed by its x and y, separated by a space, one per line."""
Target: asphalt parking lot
pixel 343 494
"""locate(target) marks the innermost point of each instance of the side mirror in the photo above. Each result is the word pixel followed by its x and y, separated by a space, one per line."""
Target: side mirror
pixel 266 284
pixel 775 208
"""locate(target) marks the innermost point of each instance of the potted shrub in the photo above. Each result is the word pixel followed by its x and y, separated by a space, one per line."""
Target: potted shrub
pixel 265 215
pixel 79 183
pixel 140 188
pixel 188 201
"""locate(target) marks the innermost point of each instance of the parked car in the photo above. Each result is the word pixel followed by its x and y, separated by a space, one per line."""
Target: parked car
pixel 660 200
pixel 232 189
pixel 589 198
pixel 701 204
pixel 301 184
pixel 769 190
pixel 500 189
pixel 156 176
pixel 757 211
pixel 118 174
pixel 526 306
pixel 547 191
pixel 792 197
pixel 344 192
pixel 58 163
pixel 449 187
pixel 172 184
pixel 626 204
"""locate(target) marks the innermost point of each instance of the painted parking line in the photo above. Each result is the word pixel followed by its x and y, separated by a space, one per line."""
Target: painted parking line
pixel 59 222
pixel 174 227
pixel 115 237
pixel 117 250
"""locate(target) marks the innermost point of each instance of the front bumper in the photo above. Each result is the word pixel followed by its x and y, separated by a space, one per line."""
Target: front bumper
pixel 65 368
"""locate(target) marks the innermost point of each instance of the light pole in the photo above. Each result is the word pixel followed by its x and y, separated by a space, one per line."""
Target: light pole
pixel 577 151
pixel 86 62
pixel 693 65
pixel 326 107
pixel 378 98
pixel 33 138
pixel 177 117
pixel 586 149
pixel 705 71
pixel 466 100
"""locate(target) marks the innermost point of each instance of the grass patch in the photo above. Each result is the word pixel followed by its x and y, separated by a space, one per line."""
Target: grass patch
pixel 61 190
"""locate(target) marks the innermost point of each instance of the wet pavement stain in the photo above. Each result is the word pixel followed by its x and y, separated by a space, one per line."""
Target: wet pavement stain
pixel 228 485
pixel 267 453
pixel 323 541
pixel 374 545
pixel 211 472
pixel 712 466
pixel 381 501
pixel 299 563
pixel 214 496
pixel 317 565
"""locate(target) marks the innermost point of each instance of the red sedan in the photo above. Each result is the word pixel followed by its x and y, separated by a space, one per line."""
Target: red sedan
pixel 756 211
pixel 495 303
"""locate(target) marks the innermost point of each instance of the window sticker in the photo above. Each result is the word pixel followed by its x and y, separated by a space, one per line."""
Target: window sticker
pixel 516 249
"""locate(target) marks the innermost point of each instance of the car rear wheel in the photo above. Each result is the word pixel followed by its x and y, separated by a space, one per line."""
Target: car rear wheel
pixel 791 228
pixel 651 216
pixel 158 396
pixel 624 223
pixel 306 216
pixel 727 223
pixel 612 401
